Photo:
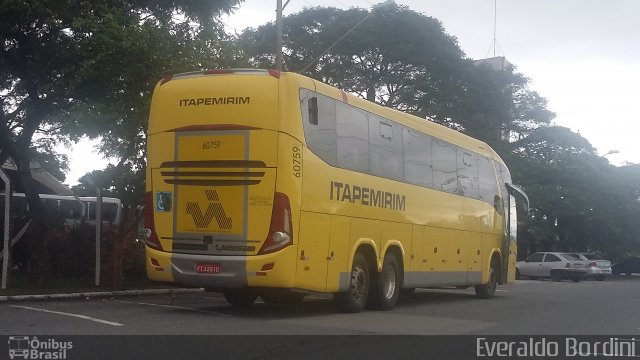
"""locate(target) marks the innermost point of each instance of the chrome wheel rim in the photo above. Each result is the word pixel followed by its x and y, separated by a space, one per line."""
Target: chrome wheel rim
pixel 358 283
pixel 389 282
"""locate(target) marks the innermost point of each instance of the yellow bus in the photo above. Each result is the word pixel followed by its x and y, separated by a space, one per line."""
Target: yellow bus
pixel 272 184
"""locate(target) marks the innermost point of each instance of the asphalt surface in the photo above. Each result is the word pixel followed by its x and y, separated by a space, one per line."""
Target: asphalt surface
pixel 530 307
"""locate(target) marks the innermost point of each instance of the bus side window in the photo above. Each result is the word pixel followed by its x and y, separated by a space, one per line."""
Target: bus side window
pixel 91 210
pixel 71 209
pixel 352 126
pixel 319 132
pixel 109 212
pixel 468 173
pixel 488 183
pixel 445 173
pixel 417 158
pixel 386 153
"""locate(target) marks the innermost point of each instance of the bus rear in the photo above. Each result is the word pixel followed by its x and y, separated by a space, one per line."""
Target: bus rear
pixel 216 213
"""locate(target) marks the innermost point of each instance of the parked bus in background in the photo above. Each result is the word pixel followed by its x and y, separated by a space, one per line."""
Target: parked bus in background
pixel 271 184
pixel 72 210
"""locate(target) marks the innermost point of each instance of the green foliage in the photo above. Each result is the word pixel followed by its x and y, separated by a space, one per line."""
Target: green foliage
pixel 125 183
pixel 403 59
pixel 77 68
pixel 74 68
pixel 579 202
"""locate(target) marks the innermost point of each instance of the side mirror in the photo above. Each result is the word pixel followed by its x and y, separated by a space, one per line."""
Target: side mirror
pixel 520 195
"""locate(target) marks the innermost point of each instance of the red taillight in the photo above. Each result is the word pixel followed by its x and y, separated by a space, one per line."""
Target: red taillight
pixel 149 233
pixel 592 264
pixel 274 73
pixel 568 265
pixel 280 231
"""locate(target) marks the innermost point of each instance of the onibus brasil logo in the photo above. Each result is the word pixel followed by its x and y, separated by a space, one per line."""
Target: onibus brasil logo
pixel 32 348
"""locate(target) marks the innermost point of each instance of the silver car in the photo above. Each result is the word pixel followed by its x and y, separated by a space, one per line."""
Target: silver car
pixel 596 268
pixel 556 265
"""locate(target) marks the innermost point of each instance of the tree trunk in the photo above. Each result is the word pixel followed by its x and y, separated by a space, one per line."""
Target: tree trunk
pixel 39 230
pixel 126 233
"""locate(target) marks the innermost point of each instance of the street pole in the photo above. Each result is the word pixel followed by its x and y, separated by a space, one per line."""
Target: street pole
pixel 98 232
pixel 279 35
pixel 7 229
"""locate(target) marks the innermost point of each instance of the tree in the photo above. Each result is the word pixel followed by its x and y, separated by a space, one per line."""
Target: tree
pixel 402 59
pixel 77 67
pixel 579 202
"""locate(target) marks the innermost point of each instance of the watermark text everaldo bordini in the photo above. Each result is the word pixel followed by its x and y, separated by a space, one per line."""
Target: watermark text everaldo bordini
pixel 558 347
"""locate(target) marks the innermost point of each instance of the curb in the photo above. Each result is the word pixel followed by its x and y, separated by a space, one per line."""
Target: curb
pixel 97 294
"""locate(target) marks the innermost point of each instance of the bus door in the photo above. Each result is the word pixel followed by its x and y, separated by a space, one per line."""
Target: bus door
pixel 510 245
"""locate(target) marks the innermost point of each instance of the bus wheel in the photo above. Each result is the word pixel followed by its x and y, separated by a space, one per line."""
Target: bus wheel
pixel 240 298
pixel 388 282
pixel 355 299
pixel 488 290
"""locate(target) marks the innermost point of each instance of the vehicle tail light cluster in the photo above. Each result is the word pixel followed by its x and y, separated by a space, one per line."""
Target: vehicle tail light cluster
pixel 148 234
pixel 568 265
pixel 592 264
pixel 280 231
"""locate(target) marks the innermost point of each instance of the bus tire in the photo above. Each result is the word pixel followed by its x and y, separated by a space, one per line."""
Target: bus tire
pixel 240 298
pixel 488 290
pixel 387 284
pixel 354 299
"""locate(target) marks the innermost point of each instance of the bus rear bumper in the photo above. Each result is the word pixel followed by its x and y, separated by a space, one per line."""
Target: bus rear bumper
pixel 231 272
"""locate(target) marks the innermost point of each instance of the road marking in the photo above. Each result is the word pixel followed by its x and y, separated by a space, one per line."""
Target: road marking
pixel 70 314
pixel 174 307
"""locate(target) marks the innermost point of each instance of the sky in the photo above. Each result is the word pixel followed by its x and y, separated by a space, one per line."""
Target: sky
pixel 583 56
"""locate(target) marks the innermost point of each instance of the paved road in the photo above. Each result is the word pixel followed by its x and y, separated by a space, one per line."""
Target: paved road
pixel 529 307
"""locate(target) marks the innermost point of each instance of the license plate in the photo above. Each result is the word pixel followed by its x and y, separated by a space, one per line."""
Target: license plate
pixel 208 268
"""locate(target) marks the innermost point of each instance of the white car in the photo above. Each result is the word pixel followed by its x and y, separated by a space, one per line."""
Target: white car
pixel 596 268
pixel 556 265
